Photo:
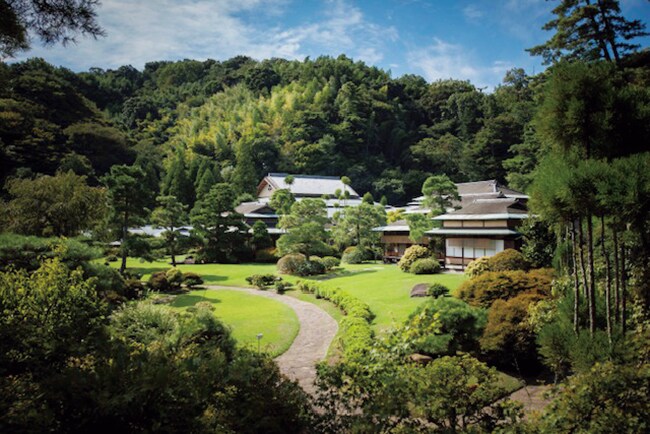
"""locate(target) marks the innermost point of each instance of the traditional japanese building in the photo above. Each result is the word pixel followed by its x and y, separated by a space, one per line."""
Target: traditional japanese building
pixel 327 188
pixel 483 227
pixel 482 223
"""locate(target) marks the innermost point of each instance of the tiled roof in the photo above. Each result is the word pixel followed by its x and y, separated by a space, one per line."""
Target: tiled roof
pixel 493 206
pixel 309 185
pixel 253 207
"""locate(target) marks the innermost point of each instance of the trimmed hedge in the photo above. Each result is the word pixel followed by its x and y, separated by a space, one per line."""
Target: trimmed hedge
pixel 356 336
pixel 425 266
pixel 507 260
pixel 261 281
pixel 436 290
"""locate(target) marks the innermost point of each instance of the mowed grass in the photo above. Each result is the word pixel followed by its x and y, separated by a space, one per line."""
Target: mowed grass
pixel 247 315
pixel 384 287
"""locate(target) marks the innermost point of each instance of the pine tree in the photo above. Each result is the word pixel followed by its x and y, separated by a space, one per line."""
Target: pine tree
pixel 177 182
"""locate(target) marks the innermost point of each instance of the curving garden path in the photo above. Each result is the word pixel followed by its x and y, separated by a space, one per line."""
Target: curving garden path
pixel 317 330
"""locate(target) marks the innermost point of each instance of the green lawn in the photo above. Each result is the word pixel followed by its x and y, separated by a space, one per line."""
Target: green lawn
pixel 383 286
pixel 248 315
pixel 386 289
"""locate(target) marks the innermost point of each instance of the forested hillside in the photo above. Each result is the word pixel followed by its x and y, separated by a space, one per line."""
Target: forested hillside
pixel 240 118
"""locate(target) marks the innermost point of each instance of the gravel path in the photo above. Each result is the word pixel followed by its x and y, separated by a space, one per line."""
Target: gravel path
pixel 317 329
pixel 532 397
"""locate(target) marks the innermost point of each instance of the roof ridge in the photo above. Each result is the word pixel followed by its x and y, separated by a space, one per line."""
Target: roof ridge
pixel 281 174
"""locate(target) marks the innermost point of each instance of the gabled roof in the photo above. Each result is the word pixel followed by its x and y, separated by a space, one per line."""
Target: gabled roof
pixel 488 209
pixel 256 207
pixel 397 226
pixel 307 185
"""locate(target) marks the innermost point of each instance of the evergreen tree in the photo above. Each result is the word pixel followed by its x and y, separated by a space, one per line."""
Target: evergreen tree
pixel 170 215
pixel 177 182
pixel 589 30
pixel 127 195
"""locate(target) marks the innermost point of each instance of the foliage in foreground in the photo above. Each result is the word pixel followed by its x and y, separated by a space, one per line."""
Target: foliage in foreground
pixel 66 366
pixel 451 394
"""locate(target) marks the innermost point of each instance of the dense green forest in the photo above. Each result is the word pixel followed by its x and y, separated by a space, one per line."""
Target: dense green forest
pixel 86 156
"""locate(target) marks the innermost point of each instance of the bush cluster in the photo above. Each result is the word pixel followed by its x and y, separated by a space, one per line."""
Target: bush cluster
pixel 508 260
pixel 356 336
pixel 493 285
pixel 411 255
pixel 262 281
pixel 298 265
pixel 425 266
pixel 331 262
pixel 172 279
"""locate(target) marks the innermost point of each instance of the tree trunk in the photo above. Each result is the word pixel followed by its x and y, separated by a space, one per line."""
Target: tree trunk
pixel 592 275
pixel 611 37
pixel 125 232
pixel 598 34
pixel 623 289
pixel 583 267
pixel 576 281
pixel 608 280
pixel 617 279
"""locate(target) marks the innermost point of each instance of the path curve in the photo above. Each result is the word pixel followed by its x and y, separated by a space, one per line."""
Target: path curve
pixel 317 330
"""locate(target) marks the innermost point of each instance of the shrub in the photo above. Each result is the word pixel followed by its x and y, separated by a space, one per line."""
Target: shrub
pixel 281 286
pixel 261 281
pixel 425 266
pixel 306 287
pixel 310 268
pixel 411 255
pixel 508 260
pixel 111 258
pixel 158 281
pixel 331 262
pixel 192 279
pixel 353 255
pixel 436 290
pixel 289 264
pixel 266 256
pixel 174 277
pixel 490 286
pixel 134 289
pixel 508 336
pixel 478 266
pixel 439 327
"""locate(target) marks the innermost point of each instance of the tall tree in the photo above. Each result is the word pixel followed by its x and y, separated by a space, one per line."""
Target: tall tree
pixel 127 195
pixel 61 205
pixel 589 30
pixel 52 22
pixel 305 226
pixel 218 224
pixel 353 226
pixel 170 216
pixel 439 193
pixel 177 182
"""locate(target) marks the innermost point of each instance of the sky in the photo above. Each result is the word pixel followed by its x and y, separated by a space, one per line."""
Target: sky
pixel 475 40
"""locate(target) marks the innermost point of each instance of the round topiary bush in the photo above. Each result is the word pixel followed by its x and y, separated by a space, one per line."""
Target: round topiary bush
pixel 290 264
pixel 353 255
pixel 478 266
pixel 509 260
pixel 411 255
pixel 331 262
pixel 425 266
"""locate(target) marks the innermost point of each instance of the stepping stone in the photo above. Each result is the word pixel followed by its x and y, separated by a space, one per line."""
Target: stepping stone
pixel 420 290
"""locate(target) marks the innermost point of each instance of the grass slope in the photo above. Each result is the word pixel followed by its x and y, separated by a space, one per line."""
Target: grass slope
pixel 247 315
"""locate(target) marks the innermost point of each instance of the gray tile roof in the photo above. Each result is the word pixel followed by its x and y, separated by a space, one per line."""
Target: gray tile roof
pixel 310 185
